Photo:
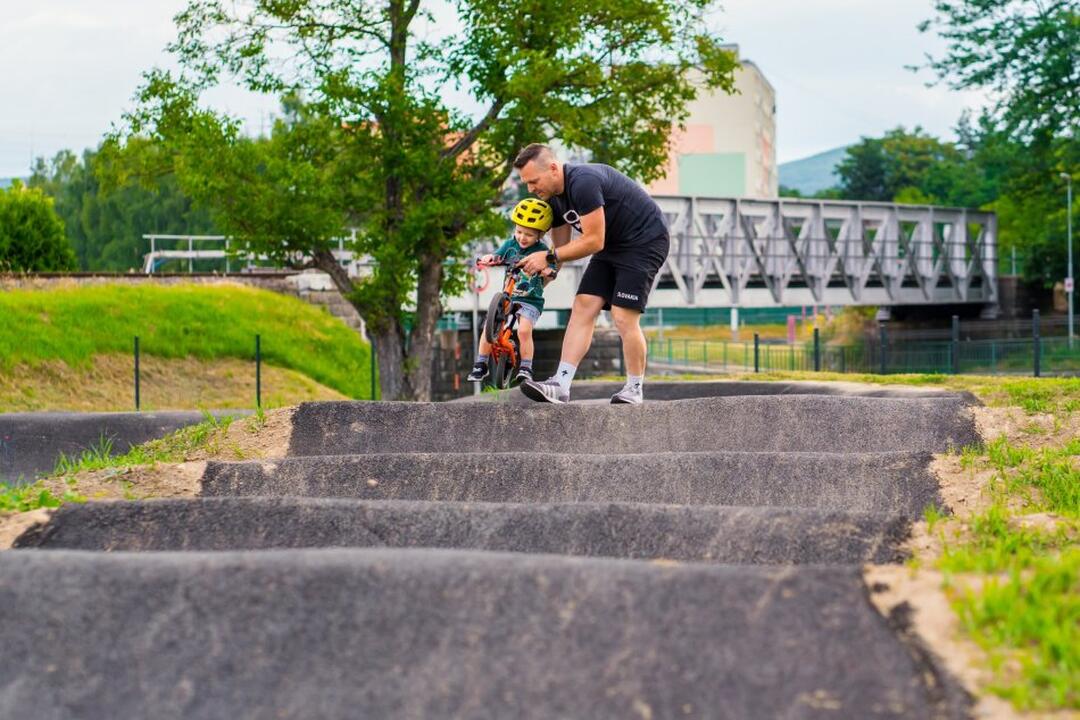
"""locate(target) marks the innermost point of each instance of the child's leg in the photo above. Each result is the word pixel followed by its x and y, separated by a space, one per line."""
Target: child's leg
pixel 485 348
pixel 525 339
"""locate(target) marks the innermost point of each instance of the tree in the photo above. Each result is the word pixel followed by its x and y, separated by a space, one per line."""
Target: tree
pixel 1026 52
pixel 31 234
pixel 105 227
pixel 378 145
pixel 906 166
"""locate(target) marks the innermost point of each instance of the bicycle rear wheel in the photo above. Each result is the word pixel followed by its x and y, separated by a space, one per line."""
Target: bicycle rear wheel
pixel 502 372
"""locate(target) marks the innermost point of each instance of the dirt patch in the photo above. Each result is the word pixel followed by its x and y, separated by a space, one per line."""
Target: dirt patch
pixel 105 385
pixel 964 490
pixel 13 525
pixel 1035 430
pixel 245 439
pixel 255 439
pixel 933 619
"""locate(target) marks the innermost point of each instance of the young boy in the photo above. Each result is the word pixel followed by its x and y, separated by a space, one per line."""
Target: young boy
pixel 532 218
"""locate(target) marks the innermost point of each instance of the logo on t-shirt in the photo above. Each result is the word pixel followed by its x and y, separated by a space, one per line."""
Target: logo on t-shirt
pixel 573 219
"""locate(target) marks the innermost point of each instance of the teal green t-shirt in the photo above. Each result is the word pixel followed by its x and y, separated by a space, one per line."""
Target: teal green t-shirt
pixel 530 288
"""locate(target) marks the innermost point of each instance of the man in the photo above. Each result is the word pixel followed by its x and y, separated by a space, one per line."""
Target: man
pixel 623 230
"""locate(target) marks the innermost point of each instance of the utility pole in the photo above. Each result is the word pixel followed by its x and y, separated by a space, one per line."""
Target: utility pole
pixel 1069 282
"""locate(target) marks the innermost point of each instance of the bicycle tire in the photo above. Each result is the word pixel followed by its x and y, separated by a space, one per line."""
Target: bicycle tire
pixel 501 373
pixel 496 317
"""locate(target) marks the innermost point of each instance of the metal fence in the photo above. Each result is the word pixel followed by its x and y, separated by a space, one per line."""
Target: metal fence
pixel 1033 355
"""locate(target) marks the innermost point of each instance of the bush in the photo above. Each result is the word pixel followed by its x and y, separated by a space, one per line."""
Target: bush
pixel 32 237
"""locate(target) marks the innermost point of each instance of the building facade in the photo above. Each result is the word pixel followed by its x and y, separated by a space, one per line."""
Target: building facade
pixel 728 147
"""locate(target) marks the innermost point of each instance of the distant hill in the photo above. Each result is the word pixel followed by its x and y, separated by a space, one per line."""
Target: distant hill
pixel 812 174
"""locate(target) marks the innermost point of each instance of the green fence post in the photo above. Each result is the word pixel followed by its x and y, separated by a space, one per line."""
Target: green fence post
pixel 817 351
pixel 686 352
pixel 881 346
pixel 705 353
pixel 669 360
pixel 757 351
pixel 258 372
pixel 137 373
pixel 955 345
pixel 1036 350
pixel 371 361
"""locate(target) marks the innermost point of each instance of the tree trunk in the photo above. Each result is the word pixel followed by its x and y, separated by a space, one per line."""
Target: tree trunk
pixel 422 339
pixel 389 347
pixel 387 337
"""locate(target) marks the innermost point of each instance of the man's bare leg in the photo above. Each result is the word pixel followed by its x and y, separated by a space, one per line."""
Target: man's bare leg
pixel 576 342
pixel 579 330
pixel 635 349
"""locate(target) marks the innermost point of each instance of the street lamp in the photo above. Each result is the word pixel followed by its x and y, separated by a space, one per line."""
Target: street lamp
pixel 1069 280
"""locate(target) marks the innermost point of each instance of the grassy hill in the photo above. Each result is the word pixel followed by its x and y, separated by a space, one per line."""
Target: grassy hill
pixel 197 344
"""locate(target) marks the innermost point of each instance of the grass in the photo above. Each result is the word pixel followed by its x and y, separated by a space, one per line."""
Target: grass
pixel 174 447
pixel 22 498
pixel 76 325
pixel 1025 610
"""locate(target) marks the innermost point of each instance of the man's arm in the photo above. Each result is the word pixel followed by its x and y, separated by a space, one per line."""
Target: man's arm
pixel 590 241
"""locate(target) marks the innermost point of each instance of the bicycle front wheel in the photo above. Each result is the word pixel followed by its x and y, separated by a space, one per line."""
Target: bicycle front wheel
pixel 496 317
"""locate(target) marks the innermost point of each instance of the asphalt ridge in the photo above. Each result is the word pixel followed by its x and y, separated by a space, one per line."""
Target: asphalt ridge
pixel 704 534
pixel 859 482
pixel 690 558
pixel 427 633
pixel 761 423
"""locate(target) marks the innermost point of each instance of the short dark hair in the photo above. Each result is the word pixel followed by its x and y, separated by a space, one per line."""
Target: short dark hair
pixel 531 152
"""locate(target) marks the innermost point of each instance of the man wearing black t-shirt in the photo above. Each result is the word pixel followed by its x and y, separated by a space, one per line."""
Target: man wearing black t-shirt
pixel 623 230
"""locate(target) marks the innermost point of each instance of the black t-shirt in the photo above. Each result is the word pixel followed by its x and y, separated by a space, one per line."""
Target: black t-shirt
pixel 632 219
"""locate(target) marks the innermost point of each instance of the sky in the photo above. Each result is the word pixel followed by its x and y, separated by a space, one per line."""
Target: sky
pixel 71 68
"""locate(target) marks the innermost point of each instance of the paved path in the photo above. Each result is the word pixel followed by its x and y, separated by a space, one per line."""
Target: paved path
pixel 693 558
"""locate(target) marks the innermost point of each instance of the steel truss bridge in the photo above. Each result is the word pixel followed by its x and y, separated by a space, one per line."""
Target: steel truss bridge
pixel 790 252
pixel 778 253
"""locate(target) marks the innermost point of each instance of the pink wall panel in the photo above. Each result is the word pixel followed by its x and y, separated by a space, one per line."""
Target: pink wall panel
pixel 694 139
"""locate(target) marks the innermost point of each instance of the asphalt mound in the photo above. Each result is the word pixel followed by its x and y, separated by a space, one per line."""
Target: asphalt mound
pixel 427 633
pixel 757 422
pixel 705 534
pixel 859 482
pixel 685 390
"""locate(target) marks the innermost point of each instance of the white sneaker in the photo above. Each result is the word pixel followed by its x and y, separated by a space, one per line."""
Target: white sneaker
pixel 549 391
pixel 629 395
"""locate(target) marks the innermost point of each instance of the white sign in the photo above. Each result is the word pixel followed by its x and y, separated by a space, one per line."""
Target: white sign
pixel 1068 285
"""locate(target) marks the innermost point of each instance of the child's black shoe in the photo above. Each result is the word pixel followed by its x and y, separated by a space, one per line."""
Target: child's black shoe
pixel 479 372
pixel 523 374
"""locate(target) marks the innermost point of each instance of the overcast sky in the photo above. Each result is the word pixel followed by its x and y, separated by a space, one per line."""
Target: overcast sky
pixel 70 67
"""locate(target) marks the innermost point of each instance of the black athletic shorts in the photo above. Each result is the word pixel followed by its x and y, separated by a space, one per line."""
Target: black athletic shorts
pixel 625 279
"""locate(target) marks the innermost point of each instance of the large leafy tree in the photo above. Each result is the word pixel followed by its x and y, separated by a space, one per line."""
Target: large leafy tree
pixel 1027 53
pixel 31 233
pixel 106 226
pixel 916 167
pixel 380 144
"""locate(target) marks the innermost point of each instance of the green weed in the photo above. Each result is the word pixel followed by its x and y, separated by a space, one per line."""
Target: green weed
pixel 22 498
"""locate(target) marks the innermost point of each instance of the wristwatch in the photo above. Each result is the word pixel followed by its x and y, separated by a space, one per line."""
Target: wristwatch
pixel 552 257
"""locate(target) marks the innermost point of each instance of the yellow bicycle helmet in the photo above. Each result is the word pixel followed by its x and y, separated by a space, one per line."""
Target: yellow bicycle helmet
pixel 533 213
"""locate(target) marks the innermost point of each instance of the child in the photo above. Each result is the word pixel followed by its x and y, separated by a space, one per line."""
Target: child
pixel 532 218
